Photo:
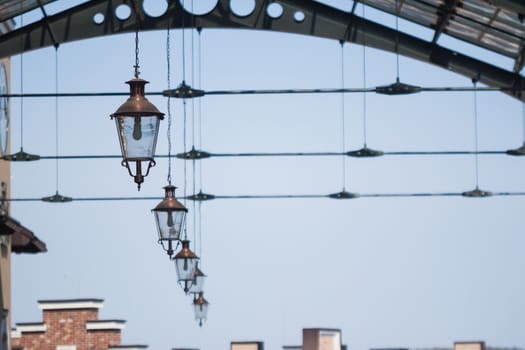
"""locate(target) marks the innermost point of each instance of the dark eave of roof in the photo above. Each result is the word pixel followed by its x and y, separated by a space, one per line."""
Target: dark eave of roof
pixel 22 239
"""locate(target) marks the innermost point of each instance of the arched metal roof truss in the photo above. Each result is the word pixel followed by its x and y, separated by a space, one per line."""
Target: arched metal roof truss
pixel 495 26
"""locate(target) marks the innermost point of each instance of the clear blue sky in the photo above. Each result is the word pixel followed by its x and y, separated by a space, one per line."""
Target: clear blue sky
pixel 405 272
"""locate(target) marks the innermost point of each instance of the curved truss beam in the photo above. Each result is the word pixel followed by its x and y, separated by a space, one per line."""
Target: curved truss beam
pixel 319 20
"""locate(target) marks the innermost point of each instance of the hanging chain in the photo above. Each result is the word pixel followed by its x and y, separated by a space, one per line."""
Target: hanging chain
pixel 364 81
pixel 185 119
pixel 397 40
pixel 199 86
pixel 194 207
pixel 193 83
pixel 21 83
pixel 343 143
pixel 183 41
pixel 476 156
pixel 199 125
pixel 193 162
pixel 136 66
pixel 523 103
pixel 200 232
pixel 168 58
pixel 523 120
pixel 56 116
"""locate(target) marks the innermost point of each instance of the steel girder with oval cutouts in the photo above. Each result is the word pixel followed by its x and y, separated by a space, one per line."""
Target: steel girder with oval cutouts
pixel 305 17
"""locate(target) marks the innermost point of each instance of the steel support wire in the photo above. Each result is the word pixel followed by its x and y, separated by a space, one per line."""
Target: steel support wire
pixel 249 92
pixel 204 155
pixel 277 196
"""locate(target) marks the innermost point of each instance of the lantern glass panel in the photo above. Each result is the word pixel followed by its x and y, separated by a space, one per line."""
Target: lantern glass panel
pixel 185 268
pixel 198 284
pixel 138 136
pixel 200 310
pixel 169 223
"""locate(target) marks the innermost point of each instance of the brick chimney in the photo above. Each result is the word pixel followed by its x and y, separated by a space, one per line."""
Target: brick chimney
pixel 69 325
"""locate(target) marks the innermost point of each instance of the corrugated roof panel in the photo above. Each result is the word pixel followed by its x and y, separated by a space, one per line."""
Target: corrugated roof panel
pixel 500 33
pixel 475 17
pixel 436 3
pixel 480 7
pixel 419 12
pixel 462 31
pixel 385 5
pixel 12 8
pixel 509 22
pixel 501 44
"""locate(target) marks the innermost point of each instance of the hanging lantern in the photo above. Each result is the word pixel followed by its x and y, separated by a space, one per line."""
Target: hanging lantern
pixel 170 217
pixel 137 122
pixel 200 308
pixel 197 285
pixel 185 262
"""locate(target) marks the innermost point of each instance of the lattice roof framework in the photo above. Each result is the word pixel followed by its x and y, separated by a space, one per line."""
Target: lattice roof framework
pixel 495 25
